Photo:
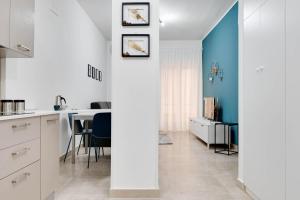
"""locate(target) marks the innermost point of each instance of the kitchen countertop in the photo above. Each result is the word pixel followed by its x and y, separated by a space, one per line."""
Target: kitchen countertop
pixel 28 114
pixel 38 113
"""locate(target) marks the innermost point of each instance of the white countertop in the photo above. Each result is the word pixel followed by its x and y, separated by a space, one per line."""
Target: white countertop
pixel 38 113
pixel 28 114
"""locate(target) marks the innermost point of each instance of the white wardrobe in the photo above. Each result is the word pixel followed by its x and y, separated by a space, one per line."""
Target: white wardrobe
pixel 271 45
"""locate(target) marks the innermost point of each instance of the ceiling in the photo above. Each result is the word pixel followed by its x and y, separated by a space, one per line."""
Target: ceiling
pixel 183 19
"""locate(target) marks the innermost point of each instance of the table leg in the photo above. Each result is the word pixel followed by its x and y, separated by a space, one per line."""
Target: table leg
pixel 229 134
pixel 215 138
pixel 73 140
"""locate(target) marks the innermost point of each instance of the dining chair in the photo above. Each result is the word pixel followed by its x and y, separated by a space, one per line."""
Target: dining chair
pixel 79 130
pixel 101 133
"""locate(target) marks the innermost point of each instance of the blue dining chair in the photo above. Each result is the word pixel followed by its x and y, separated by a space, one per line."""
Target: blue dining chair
pixel 101 133
pixel 79 130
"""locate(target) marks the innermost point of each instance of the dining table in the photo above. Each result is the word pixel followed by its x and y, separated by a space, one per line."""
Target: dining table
pixel 83 115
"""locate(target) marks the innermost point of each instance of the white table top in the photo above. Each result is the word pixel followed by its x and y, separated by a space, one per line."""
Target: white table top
pixel 88 114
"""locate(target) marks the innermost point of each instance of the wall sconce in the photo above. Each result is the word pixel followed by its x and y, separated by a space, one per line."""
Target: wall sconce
pixel 215 71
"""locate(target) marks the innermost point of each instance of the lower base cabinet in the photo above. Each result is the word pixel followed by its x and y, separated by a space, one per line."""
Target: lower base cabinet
pixel 23 184
pixel 30 158
pixel 49 155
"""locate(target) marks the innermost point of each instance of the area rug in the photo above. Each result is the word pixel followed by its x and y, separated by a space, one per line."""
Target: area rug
pixel 164 139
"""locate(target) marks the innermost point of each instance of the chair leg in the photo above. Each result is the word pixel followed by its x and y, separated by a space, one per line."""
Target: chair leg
pixel 99 149
pixel 96 156
pixel 90 142
pixel 66 154
pixel 102 151
pixel 89 157
pixel 79 144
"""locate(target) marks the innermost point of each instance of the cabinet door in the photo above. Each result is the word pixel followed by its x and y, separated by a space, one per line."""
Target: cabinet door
pixel 23 184
pixel 292 99
pixel 22 26
pixel 264 101
pixel 49 154
pixel 4 22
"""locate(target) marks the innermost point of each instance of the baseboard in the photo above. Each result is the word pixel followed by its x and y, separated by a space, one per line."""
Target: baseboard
pixel 137 193
pixel 251 194
pixel 242 186
pixel 234 147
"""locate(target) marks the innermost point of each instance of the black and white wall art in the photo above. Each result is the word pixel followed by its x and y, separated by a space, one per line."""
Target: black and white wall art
pixel 94 73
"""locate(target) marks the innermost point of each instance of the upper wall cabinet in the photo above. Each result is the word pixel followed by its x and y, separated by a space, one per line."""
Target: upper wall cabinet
pixel 20 29
pixel 4 22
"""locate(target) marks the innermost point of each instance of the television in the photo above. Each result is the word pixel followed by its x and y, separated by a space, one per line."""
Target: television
pixel 209 108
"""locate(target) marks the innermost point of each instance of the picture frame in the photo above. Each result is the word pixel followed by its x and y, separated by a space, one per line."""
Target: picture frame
pixel 100 76
pixel 96 74
pixel 93 72
pixel 136 14
pixel 89 70
pixel 135 45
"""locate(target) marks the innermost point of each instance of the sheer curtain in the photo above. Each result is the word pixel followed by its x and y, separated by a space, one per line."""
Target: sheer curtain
pixel 180 71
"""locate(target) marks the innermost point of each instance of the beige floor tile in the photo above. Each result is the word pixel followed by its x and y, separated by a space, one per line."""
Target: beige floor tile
pixel 188 171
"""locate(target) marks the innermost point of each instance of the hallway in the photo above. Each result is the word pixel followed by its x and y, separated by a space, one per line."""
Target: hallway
pixel 187 171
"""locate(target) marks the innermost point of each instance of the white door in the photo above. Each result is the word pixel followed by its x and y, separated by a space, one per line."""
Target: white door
pixel 264 101
pixel 292 99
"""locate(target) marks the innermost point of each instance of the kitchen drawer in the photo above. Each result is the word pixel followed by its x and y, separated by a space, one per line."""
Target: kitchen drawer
pixel 24 184
pixel 14 158
pixel 18 131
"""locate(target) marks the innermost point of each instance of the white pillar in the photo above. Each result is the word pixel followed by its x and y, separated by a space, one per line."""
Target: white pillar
pixel 135 110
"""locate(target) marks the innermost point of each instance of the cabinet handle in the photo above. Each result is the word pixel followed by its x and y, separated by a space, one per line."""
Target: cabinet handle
pixel 20 178
pixel 23 47
pixel 23 151
pixel 51 120
pixel 21 126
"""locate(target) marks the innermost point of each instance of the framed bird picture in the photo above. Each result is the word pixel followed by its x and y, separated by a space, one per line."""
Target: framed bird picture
pixel 136 14
pixel 135 45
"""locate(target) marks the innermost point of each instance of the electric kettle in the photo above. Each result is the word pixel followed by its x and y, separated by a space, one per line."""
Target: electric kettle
pixel 59 100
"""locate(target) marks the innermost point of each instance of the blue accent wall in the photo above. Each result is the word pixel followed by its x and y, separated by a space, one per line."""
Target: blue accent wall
pixel 221 46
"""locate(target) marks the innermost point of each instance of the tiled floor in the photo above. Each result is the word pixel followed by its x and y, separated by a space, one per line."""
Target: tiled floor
pixel 188 171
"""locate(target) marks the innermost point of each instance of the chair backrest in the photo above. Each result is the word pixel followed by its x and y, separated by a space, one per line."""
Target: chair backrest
pixel 102 125
pixel 101 105
pixel 77 123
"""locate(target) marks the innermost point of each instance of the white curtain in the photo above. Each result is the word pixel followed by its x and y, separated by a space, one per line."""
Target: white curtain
pixel 180 71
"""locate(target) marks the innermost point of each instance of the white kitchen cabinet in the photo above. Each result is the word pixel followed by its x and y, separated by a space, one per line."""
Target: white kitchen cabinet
pixel 22 26
pixel 292 99
pixel 4 22
pixel 49 155
pixel 29 157
pixel 24 184
pixel 264 101
pixel 18 131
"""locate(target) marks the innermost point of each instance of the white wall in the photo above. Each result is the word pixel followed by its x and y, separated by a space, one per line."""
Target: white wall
pixel 194 44
pixel 135 100
pixel 292 99
pixel 66 41
pixel 108 70
pixel 241 93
